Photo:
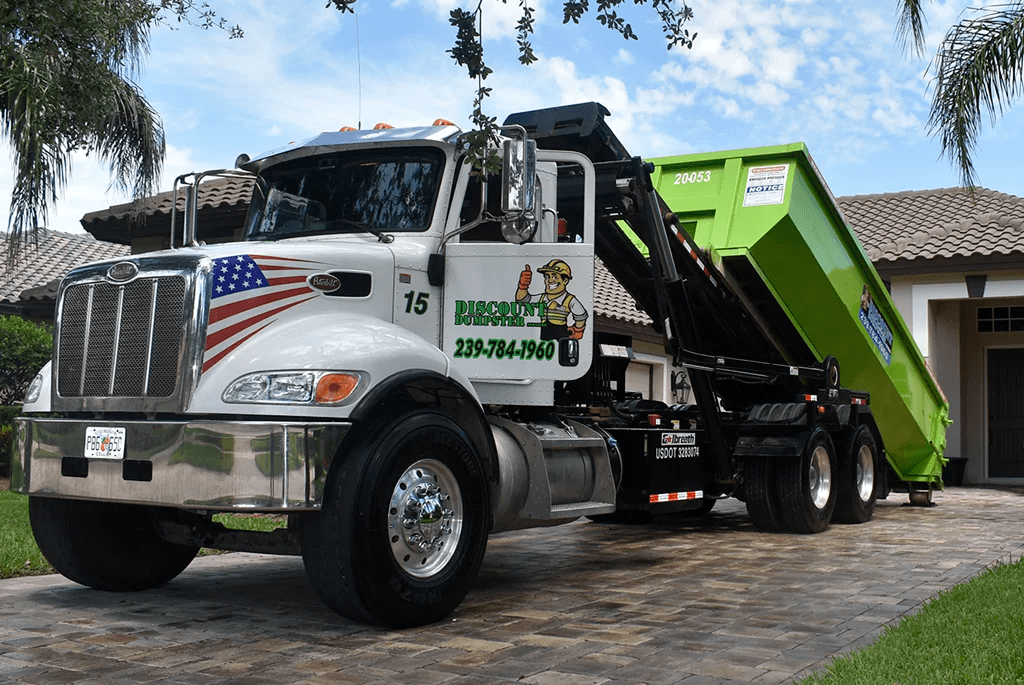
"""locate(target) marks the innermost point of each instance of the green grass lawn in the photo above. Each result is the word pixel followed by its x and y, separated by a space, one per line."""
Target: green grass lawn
pixel 19 555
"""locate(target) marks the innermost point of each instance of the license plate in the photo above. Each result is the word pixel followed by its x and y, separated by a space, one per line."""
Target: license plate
pixel 104 442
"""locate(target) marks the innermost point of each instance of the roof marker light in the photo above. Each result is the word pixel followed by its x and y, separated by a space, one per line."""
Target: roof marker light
pixel 344 129
pixel 382 126
pixel 443 122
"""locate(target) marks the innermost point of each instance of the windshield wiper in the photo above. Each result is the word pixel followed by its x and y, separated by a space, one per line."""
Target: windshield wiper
pixel 381 235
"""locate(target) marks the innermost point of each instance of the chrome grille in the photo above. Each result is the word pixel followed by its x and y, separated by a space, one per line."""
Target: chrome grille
pixel 122 340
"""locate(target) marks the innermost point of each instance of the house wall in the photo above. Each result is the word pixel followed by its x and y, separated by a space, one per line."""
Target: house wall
pixel 943 320
pixel 944 361
pixel 651 372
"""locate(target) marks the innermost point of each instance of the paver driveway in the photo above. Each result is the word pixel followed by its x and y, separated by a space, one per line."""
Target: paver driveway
pixel 671 602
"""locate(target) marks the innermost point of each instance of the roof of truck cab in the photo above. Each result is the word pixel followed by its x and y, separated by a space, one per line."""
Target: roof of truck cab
pixel 334 139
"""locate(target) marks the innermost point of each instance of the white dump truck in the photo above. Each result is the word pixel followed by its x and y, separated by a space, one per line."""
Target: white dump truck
pixel 401 356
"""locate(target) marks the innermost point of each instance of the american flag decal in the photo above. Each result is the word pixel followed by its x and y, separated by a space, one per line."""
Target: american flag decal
pixel 249 292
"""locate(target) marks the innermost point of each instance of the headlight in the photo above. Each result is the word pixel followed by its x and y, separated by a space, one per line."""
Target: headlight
pixel 293 387
pixel 34 389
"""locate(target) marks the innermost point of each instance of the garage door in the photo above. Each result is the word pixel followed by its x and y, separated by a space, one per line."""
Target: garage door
pixel 639 379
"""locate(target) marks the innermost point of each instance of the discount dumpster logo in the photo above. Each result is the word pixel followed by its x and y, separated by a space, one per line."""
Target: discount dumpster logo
pixel 558 313
pixel 875 324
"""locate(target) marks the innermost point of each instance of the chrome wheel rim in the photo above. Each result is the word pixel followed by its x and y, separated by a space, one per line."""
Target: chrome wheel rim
pixel 865 473
pixel 819 476
pixel 425 518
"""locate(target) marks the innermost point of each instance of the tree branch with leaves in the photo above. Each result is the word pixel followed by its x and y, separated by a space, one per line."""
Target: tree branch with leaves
pixel 67 84
pixel 468 50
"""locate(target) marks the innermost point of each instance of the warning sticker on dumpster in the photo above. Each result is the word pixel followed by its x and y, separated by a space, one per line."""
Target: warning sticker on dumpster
pixel 876 325
pixel 766 185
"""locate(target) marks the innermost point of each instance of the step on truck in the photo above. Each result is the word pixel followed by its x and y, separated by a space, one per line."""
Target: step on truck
pixel 401 356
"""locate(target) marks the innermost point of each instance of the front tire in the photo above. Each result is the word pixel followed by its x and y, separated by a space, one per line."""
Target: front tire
pixel 857 481
pixel 403 527
pixel 807 492
pixel 106 546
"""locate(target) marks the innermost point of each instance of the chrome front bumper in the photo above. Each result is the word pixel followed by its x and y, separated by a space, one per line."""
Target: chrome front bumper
pixel 214 465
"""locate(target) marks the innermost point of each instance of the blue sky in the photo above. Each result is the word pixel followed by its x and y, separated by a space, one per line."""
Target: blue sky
pixel 760 73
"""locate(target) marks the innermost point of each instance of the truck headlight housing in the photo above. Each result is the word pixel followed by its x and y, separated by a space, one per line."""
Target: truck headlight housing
pixel 35 388
pixel 293 387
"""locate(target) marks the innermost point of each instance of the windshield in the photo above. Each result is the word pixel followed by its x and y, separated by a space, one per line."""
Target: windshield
pixel 376 190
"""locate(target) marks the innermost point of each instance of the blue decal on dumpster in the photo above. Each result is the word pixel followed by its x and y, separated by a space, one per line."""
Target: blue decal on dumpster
pixel 876 325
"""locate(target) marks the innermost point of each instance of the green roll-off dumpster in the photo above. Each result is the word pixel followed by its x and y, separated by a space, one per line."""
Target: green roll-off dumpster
pixel 770 224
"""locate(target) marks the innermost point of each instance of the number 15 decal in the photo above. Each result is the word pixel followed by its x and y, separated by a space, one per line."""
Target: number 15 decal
pixel 416 303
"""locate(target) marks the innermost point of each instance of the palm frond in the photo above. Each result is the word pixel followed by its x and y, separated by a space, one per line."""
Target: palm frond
pixel 980 65
pixel 41 160
pixel 910 26
pixel 65 85
pixel 131 139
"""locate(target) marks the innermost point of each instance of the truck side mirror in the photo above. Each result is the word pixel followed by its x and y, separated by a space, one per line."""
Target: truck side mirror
pixel 518 190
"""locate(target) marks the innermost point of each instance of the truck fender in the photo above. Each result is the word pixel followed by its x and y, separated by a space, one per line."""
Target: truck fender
pixel 378 349
pixel 423 389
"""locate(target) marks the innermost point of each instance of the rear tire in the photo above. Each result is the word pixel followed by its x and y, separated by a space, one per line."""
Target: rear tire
pixel 762 501
pixel 807 492
pixel 403 527
pixel 106 546
pixel 855 502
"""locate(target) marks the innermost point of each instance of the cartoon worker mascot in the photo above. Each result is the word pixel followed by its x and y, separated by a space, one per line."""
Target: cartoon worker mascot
pixel 559 303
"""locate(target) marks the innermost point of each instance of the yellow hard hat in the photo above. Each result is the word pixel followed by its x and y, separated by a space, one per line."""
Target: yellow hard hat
pixel 556 266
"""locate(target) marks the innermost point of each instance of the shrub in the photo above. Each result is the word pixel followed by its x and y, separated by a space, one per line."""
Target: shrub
pixel 6 445
pixel 24 348
pixel 7 415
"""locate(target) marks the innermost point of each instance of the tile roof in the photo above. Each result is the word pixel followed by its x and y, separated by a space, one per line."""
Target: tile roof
pixel 612 301
pixel 50 258
pixel 929 224
pixel 218 192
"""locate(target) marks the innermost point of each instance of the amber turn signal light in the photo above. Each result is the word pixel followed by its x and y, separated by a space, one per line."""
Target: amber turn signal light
pixel 335 387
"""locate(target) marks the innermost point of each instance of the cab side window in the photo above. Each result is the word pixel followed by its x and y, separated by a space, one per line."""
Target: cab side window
pixel 487 196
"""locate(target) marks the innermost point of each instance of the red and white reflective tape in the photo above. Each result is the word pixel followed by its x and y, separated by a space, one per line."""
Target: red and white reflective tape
pixel 677 496
pixel 858 400
pixel 696 258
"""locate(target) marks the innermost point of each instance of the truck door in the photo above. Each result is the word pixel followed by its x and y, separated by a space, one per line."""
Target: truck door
pixel 520 312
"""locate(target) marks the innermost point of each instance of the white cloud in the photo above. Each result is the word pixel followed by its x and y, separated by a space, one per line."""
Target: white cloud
pixel 781 65
pixel 891 114
pixel 813 37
